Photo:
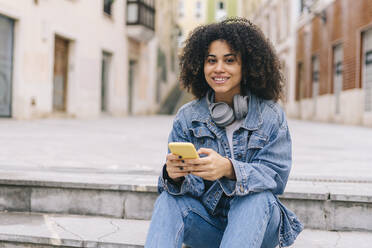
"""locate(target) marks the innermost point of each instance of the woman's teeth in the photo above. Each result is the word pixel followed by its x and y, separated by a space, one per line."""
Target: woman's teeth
pixel 220 79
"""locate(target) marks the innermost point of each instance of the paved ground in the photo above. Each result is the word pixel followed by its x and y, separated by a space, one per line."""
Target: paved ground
pixel 75 231
pixel 139 144
pixel 120 147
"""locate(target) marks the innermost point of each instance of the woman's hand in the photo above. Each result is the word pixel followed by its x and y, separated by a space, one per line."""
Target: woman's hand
pixel 176 167
pixel 211 167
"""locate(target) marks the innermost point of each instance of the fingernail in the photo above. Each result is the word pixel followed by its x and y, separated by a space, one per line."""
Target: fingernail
pixel 183 161
pixel 180 156
pixel 181 168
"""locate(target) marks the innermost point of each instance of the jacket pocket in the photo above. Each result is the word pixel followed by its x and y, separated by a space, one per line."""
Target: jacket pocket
pixel 203 137
pixel 256 141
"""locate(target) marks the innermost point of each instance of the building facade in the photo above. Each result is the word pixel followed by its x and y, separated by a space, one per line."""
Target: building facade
pixel 220 9
pixel 152 40
pixel 334 61
pixel 192 13
pixel 80 58
pixel 278 21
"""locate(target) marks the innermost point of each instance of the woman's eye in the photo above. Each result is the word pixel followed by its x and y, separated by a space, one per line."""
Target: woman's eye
pixel 230 61
pixel 211 61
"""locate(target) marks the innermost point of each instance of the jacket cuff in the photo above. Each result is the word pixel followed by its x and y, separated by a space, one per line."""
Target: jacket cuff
pixel 227 185
pixel 171 186
pixel 241 185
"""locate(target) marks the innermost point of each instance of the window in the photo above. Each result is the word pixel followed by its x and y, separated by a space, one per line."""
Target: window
pixel 299 81
pixel 315 77
pixel 221 11
pixel 221 5
pixel 337 74
pixel 367 69
pixel 198 10
pixel 107 6
pixel 306 5
pixel 315 65
pixel 105 80
pixel 181 9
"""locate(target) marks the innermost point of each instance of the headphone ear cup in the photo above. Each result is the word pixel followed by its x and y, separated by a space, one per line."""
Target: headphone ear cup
pixel 240 106
pixel 222 114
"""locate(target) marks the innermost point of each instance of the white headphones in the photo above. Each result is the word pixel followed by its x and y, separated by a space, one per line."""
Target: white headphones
pixel 221 112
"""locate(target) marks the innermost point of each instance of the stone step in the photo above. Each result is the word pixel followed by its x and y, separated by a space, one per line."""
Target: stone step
pixel 319 205
pixel 33 230
pixel 51 230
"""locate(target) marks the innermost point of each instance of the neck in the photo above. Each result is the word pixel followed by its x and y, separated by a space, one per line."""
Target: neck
pixel 224 98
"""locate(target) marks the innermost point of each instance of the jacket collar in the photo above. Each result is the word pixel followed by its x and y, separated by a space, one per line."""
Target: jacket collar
pixel 252 121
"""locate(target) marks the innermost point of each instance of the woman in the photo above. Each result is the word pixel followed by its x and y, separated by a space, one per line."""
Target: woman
pixel 227 197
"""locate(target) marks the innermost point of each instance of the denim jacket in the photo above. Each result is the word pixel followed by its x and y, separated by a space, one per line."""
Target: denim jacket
pixel 262 156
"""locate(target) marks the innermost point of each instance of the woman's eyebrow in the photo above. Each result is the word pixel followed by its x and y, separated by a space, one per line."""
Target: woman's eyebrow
pixel 226 55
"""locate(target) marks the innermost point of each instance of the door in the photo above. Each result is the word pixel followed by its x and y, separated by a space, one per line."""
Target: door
pixel 6 65
pixel 106 64
pixel 131 79
pixel 60 74
pixel 337 75
pixel 367 69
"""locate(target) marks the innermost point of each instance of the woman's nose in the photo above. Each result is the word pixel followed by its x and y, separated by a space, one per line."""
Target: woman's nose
pixel 219 67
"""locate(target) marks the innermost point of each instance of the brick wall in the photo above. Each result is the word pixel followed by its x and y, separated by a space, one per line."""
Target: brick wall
pixel 344 21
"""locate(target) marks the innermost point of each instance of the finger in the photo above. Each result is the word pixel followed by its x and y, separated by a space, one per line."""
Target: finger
pixel 198 161
pixel 207 151
pixel 180 163
pixel 200 168
pixel 178 174
pixel 178 168
pixel 172 156
pixel 204 175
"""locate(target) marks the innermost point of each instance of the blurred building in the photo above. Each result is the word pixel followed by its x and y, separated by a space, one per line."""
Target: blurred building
pixel 334 61
pixel 192 13
pixel 325 47
pixel 219 9
pixel 84 57
pixel 278 20
pixel 152 39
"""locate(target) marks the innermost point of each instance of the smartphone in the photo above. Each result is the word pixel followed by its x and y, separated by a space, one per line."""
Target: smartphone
pixel 184 149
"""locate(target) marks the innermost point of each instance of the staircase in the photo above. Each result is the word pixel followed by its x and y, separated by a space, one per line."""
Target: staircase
pixel 49 209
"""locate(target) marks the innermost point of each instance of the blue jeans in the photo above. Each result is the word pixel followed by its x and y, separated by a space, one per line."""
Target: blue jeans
pixel 252 221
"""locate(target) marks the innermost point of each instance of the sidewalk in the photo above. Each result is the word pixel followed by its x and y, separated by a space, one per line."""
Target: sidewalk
pixel 137 145
pixel 61 174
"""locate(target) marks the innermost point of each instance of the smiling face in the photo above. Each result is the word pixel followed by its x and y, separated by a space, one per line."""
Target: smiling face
pixel 223 71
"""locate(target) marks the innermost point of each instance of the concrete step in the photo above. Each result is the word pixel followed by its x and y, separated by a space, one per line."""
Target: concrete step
pixel 50 230
pixel 319 205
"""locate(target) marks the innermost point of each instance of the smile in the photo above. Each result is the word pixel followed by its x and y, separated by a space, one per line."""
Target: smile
pixel 220 79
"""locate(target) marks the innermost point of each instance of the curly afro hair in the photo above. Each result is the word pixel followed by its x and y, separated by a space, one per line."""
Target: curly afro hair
pixel 260 65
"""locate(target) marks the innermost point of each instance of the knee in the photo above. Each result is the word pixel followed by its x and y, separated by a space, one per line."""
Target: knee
pixel 165 201
pixel 166 197
pixel 258 199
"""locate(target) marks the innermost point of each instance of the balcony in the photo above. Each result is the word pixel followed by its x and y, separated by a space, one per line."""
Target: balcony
pixel 140 19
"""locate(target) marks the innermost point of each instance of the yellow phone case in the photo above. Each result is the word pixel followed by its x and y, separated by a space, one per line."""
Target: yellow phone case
pixel 185 149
